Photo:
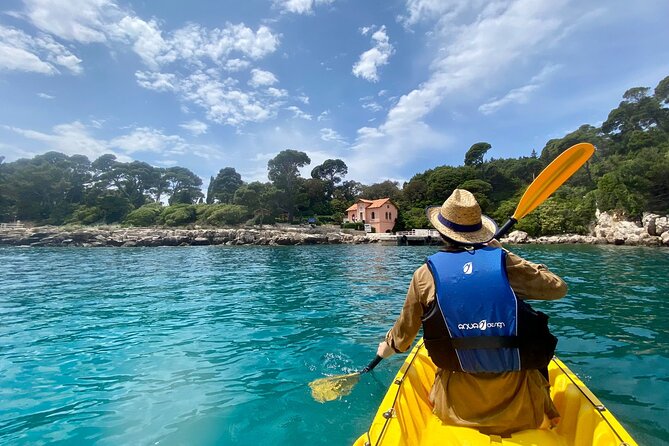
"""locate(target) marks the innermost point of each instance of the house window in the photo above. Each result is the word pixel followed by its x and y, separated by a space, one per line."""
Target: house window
pixel 361 216
pixel 372 215
pixel 390 216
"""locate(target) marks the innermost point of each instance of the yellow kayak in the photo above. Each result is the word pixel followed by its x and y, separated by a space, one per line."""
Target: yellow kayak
pixel 405 415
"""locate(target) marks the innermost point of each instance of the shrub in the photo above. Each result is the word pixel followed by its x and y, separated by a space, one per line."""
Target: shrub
pixel 177 215
pixel 146 215
pixel 86 215
pixel 224 214
pixel 357 226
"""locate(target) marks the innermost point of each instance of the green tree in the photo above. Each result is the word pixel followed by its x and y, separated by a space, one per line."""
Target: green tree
pixel 613 194
pixel 283 171
pixel 260 199
pixel 183 186
pixel 481 190
pixel 317 191
pixel 475 154
pixel 7 209
pixel 331 172
pixel 44 189
pixel 348 191
pixel 386 189
pixel 222 188
pixel 444 179
pixel 637 111
pixel 415 192
pixel 134 181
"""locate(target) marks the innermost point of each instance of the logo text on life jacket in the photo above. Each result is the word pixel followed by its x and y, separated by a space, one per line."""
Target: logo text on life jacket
pixel 483 325
pixel 468 268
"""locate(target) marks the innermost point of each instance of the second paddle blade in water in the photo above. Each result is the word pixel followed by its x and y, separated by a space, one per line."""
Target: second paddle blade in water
pixel 333 387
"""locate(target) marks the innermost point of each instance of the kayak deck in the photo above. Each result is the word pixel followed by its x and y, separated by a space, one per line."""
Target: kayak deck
pixel 405 414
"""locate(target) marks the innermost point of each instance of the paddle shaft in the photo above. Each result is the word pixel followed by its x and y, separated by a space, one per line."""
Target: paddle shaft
pixel 501 232
pixel 372 364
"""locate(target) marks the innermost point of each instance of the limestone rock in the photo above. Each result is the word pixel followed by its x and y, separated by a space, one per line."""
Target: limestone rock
pixel 517 237
pixel 665 238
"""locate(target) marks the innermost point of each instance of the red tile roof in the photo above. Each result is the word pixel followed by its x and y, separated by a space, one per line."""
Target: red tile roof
pixel 378 203
pixel 372 204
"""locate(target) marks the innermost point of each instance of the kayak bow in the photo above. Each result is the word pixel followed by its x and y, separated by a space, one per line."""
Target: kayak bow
pixel 405 414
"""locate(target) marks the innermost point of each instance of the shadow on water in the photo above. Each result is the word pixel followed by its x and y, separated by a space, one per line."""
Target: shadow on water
pixel 216 345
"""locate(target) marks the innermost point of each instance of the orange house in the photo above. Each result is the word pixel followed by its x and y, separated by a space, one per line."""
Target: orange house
pixel 380 214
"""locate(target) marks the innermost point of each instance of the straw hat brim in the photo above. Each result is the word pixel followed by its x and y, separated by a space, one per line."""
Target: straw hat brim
pixel 483 235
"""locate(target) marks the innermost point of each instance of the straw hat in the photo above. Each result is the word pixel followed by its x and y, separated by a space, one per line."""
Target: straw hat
pixel 460 219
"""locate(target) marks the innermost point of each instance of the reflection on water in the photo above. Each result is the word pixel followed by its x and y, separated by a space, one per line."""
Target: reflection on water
pixel 216 345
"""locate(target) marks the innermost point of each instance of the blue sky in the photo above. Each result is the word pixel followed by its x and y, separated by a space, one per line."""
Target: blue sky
pixel 391 87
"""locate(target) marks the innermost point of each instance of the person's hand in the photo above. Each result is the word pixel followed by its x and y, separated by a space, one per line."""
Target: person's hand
pixel 384 350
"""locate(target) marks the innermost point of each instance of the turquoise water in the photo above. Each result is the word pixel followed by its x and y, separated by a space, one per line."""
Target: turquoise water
pixel 216 345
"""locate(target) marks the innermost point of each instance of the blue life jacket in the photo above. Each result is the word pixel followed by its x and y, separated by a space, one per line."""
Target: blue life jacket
pixel 476 324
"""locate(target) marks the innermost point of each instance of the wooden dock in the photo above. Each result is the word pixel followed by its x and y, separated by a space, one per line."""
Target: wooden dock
pixel 415 237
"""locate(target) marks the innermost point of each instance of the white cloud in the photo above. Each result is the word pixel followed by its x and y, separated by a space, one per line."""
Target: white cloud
pixel 75 20
pixel 277 92
pixel 156 81
pixel 370 61
pixel 518 95
pixel 194 42
pixel 45 96
pixel 195 127
pixel 39 54
pixel 233 65
pixel 188 61
pixel 438 10
pixel 298 113
pixel 75 138
pixel 328 134
pixel 300 6
pixel 260 78
pixel 222 99
pixel 89 21
pixel 70 139
pixel 144 139
pixel 368 103
pixel 146 39
pixel 224 102
pixel 483 50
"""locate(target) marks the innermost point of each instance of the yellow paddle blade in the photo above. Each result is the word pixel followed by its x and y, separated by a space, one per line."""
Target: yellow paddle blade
pixel 552 177
pixel 333 387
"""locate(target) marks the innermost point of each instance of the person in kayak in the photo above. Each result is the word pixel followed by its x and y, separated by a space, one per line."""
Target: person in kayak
pixel 491 348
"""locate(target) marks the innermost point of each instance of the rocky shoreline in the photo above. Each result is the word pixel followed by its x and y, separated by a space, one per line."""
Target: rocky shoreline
pixel 653 230
pixel 609 229
pixel 150 237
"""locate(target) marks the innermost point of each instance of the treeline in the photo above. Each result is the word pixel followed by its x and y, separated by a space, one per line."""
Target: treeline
pixel 629 174
pixel 57 189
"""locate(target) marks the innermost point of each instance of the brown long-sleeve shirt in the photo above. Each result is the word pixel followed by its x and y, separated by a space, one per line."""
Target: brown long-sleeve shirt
pixel 495 403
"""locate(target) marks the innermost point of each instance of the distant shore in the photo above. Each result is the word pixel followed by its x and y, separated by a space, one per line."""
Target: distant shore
pixel 653 230
pixel 607 231
pixel 107 236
